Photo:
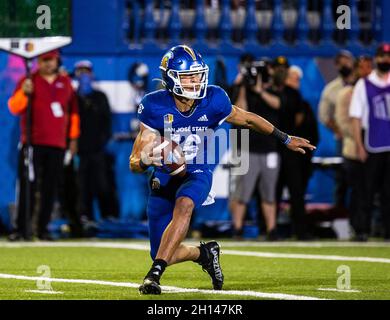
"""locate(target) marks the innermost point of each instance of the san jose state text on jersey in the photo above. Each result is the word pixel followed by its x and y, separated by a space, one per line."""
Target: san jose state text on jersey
pixel 158 111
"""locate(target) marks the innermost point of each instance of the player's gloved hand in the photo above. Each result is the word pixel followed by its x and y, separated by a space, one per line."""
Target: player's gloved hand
pixel 151 155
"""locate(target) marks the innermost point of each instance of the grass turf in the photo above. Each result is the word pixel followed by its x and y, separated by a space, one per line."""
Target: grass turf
pixel 270 275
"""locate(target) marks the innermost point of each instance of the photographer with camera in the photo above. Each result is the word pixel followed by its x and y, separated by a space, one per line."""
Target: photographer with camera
pixel 252 90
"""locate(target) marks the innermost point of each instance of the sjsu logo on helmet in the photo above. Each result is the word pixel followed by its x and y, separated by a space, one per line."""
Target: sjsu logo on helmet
pixel 165 60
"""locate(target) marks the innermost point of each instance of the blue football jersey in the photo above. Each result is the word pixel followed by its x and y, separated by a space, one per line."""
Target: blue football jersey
pixel 193 130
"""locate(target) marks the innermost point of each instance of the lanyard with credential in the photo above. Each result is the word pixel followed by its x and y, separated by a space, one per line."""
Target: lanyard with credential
pixel 55 106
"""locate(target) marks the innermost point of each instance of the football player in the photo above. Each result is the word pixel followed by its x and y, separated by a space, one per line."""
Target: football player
pixel 186 107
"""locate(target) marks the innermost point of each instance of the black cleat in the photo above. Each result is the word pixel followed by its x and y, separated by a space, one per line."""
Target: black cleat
pixel 212 266
pixel 150 286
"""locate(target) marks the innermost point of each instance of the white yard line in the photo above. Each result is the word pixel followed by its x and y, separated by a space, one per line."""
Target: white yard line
pixel 293 244
pixel 44 291
pixel 167 289
pixel 81 244
pixel 339 290
pixel 304 256
pixel 145 247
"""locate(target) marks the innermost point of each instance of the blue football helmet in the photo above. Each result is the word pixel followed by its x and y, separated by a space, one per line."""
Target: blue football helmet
pixel 182 61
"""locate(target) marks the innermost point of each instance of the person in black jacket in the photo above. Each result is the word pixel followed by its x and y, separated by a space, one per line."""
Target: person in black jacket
pixel 293 173
pixel 95 127
pixel 308 126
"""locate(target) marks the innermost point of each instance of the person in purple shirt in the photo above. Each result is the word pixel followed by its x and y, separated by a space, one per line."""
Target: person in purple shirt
pixel 370 111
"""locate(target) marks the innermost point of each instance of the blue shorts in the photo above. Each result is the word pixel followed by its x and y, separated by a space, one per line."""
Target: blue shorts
pixel 164 192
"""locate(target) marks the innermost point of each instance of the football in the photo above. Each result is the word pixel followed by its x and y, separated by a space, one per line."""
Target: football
pixel 173 158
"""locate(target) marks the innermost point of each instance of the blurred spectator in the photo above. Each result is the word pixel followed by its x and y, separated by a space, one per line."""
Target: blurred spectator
pixel 68 188
pixel 54 119
pixel 308 127
pixel 138 77
pixel 292 171
pixel 353 167
pixel 294 77
pixel 344 62
pixel 250 93
pixel 371 128
pixel 95 123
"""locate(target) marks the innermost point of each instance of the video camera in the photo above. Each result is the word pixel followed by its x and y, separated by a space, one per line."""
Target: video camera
pixel 250 71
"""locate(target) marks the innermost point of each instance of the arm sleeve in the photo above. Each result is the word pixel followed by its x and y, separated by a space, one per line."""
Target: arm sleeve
pixel 222 105
pixel 17 103
pixel 74 126
pixel 358 102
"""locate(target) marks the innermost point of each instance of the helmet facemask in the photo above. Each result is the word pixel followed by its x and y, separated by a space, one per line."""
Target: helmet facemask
pixel 190 84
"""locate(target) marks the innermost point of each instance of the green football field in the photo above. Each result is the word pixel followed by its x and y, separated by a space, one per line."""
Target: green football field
pixel 253 270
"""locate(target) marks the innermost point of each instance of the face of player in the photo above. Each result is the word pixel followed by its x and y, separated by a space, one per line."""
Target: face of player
pixel 48 66
pixel 191 82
